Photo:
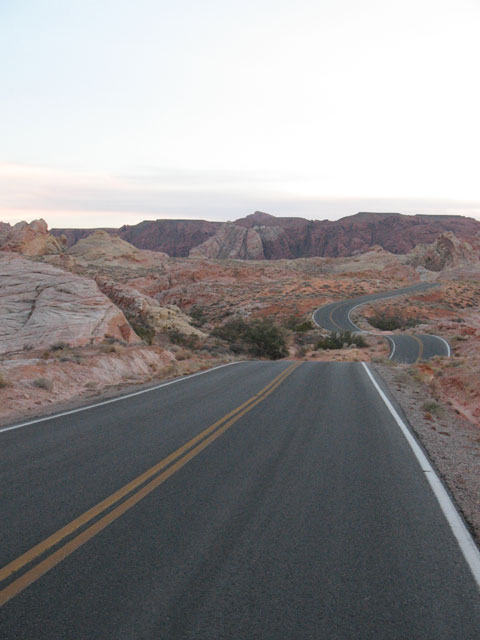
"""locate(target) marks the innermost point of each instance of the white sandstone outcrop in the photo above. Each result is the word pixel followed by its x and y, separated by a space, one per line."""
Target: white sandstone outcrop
pixel 104 249
pixel 138 305
pixel 41 305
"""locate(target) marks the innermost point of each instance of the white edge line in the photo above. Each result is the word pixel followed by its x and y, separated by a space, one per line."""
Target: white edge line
pixel 449 351
pixel 117 399
pixel 465 541
pixel 351 321
pixel 390 339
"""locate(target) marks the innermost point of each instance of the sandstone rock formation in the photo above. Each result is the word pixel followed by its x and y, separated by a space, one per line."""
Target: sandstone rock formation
pixel 231 241
pixel 290 237
pixel 30 239
pixel 102 248
pixel 147 310
pixel 374 260
pixel 174 237
pixel 446 252
pixel 41 305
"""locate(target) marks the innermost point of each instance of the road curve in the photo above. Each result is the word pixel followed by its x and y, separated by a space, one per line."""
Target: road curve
pixel 404 348
pixel 262 500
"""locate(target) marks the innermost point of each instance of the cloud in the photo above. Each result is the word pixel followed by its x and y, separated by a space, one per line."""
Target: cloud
pixel 83 199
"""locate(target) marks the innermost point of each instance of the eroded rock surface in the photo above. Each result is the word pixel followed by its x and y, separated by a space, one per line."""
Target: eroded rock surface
pixel 41 305
pixel 30 239
pixel 232 241
pixel 447 252
pixel 148 310
pixel 102 248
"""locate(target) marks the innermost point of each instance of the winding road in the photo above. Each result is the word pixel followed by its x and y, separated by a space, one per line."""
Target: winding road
pixel 260 500
pixel 406 348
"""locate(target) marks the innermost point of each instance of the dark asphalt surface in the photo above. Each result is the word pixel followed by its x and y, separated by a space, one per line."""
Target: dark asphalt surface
pixel 404 347
pixel 308 518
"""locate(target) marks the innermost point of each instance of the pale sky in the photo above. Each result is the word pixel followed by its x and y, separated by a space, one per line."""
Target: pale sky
pixel 112 112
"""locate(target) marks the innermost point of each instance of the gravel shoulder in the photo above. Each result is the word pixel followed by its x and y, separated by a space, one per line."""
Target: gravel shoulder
pixel 452 443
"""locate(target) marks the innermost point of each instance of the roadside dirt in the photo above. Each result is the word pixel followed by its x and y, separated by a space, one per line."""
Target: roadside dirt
pixel 451 441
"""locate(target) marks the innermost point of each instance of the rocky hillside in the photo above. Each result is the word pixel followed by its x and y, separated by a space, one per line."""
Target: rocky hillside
pixel 261 236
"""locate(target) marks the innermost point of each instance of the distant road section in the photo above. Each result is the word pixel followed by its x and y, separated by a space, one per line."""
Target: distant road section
pixel 403 347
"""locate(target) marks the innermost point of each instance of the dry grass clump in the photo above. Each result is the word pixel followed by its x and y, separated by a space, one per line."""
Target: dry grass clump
pixel 434 408
pixel 183 354
pixel 3 380
pixel 112 348
pixel 43 383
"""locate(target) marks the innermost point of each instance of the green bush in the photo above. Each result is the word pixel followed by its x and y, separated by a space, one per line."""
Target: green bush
pixel 339 340
pixel 385 322
pixel 177 337
pixel 262 338
pixel 143 330
pixel 198 316
pixel 299 325
pixel 389 321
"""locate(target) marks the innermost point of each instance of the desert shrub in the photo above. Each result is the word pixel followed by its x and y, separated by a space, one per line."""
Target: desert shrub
pixel 266 339
pixel 339 340
pixel 430 406
pixel 58 346
pixel 43 383
pixel 231 331
pixel 385 322
pixel 183 354
pixel 198 316
pixel 110 348
pixel 262 338
pixel 141 327
pixel 303 327
pixel 294 323
pixel 182 340
pixel 359 341
pixel 389 321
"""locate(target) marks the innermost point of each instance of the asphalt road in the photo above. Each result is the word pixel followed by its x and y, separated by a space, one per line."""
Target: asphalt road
pixel 300 512
pixel 405 348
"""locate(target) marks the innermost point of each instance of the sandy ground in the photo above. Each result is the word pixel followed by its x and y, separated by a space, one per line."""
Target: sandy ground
pixel 94 377
pixel 451 442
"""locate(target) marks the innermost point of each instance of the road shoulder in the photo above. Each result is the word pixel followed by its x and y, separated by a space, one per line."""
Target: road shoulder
pixel 452 443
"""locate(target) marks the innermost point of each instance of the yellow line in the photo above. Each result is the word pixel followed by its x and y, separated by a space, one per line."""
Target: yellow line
pixel 42 567
pixel 330 316
pixel 72 526
pixel 420 348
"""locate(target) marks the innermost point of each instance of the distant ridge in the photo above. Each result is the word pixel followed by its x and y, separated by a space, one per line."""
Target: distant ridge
pixel 263 236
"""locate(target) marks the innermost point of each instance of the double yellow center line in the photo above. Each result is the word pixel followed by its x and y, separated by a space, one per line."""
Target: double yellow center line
pixel 139 488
